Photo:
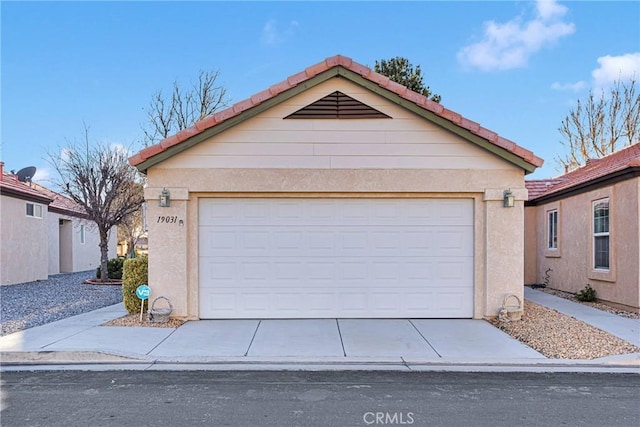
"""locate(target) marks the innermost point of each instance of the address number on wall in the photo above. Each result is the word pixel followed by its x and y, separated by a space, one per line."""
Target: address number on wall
pixel 163 219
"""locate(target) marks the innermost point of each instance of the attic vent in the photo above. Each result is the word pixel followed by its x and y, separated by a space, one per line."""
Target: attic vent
pixel 337 106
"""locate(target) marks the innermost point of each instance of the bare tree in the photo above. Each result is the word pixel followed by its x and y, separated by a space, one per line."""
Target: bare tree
pixel 167 116
pixel 601 125
pixel 131 228
pixel 100 180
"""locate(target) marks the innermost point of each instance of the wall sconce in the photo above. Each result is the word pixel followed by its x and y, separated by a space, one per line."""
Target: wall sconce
pixel 509 200
pixel 165 199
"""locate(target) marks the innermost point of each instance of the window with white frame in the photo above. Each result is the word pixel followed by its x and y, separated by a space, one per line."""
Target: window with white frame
pixel 34 210
pixel 82 233
pixel 552 229
pixel 601 253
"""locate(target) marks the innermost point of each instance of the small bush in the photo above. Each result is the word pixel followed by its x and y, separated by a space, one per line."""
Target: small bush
pixel 588 294
pixel 114 269
pixel 135 273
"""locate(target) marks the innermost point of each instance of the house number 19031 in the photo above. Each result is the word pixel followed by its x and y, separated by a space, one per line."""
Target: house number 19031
pixel 167 219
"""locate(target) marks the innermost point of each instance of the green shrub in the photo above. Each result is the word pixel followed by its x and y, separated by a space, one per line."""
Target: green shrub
pixel 588 294
pixel 114 269
pixel 135 273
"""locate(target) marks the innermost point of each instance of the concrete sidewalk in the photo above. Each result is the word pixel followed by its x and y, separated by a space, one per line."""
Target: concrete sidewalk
pixel 403 344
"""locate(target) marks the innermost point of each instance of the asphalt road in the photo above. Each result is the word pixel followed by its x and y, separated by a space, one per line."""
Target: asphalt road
pixel 189 398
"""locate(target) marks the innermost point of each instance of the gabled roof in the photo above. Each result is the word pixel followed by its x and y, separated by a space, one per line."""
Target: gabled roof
pixel 336 66
pixel 622 164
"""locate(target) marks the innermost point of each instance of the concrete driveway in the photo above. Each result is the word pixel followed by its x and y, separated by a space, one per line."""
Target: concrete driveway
pixel 338 338
pixel 381 340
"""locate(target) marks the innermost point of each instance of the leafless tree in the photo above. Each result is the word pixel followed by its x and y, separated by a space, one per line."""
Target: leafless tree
pixel 99 179
pixel 169 115
pixel 131 228
pixel 601 125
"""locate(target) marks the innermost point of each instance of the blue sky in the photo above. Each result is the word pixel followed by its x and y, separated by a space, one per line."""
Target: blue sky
pixel 516 67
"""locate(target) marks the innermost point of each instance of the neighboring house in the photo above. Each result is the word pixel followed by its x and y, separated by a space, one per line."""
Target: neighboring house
pixel 43 233
pixel 585 227
pixel 335 193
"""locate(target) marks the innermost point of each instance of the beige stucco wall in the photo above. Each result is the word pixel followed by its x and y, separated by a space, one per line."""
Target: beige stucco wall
pixel 572 265
pixel 173 231
pixel 67 253
pixel 267 156
pixel 23 243
pixel 530 246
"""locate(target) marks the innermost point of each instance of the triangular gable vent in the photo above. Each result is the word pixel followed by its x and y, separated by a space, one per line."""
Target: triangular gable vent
pixel 337 105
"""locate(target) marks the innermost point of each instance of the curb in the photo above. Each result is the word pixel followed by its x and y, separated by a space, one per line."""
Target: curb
pixel 95 360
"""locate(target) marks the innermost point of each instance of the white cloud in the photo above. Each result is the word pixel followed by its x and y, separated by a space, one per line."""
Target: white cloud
pixel 509 45
pixel 272 35
pixel 571 87
pixel 623 67
pixel 42 175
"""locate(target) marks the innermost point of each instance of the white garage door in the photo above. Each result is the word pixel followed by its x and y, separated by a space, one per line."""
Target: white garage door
pixel 319 258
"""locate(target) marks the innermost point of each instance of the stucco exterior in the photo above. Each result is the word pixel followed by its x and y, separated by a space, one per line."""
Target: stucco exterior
pixel 401 157
pixel 32 248
pixel 24 245
pixel 572 263
pixel 67 252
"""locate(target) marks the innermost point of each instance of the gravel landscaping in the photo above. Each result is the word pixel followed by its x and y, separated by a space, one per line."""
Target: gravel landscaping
pixel 558 336
pixel 26 305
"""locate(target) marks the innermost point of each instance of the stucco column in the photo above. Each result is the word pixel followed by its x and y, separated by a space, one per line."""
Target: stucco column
pixel 167 228
pixel 504 248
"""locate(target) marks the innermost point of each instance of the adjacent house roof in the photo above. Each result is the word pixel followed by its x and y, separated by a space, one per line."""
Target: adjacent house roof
pixel 32 192
pixel 10 186
pixel 617 166
pixel 336 66
pixel 62 204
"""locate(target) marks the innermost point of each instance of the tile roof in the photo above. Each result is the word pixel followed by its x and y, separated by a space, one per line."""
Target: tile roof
pixel 10 186
pixel 314 70
pixel 595 169
pixel 62 204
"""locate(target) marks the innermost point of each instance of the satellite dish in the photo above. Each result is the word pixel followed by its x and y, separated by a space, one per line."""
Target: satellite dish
pixel 25 174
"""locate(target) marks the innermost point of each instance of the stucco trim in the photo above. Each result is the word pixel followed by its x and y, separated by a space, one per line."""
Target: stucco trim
pixel 495 194
pixel 176 193
pixel 552 253
pixel 592 272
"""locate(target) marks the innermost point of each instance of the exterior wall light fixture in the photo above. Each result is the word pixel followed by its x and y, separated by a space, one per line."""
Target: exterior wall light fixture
pixel 165 198
pixel 509 200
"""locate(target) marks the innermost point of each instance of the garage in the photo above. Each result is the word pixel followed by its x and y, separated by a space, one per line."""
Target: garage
pixel 335 257
pixel 336 193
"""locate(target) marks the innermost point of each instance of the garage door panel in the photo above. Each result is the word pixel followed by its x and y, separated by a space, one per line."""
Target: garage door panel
pixel 280 258
pixel 332 241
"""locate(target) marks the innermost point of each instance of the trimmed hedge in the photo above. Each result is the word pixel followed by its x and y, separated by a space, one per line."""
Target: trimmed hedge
pixel 135 273
pixel 114 269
